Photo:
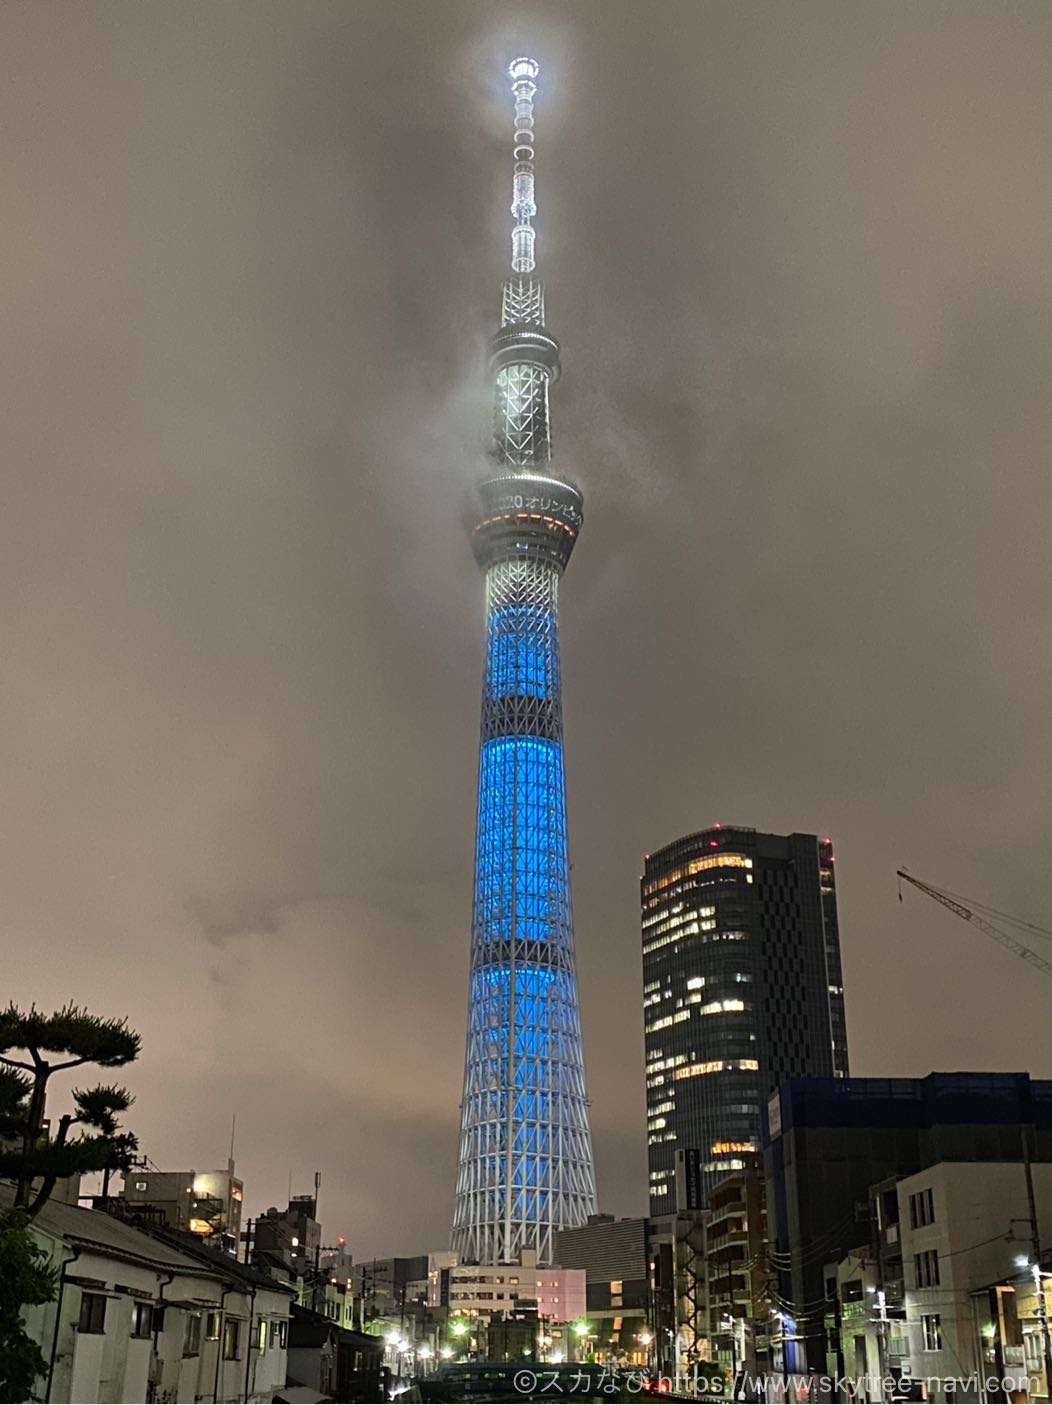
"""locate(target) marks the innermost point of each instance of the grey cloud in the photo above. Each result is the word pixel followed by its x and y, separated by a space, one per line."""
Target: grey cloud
pixel 797 258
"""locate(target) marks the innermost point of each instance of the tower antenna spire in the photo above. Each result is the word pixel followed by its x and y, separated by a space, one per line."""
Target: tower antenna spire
pixel 525 1168
pixel 523 73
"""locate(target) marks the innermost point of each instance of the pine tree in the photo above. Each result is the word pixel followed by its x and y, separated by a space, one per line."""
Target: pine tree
pixel 44 1045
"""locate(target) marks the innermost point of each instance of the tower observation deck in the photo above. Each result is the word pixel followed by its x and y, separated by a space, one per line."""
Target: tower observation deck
pixel 525 1147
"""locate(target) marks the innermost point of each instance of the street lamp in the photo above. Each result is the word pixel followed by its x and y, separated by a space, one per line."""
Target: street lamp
pixel 1021 1261
pixel 393 1343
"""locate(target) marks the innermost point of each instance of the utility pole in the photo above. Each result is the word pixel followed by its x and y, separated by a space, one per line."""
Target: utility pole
pixel 882 1339
pixel 317 1247
pixel 1035 1252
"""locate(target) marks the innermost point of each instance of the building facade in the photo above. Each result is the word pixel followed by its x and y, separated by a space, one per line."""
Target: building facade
pixel 525 1167
pixel 837 1152
pixel 206 1203
pixel 614 1256
pixel 137 1316
pixel 742 989
pixel 291 1237
pixel 735 1267
pixel 386 1287
pixel 481 1291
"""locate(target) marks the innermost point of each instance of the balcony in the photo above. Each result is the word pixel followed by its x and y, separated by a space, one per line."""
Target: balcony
pixel 728 1238
pixel 721 1212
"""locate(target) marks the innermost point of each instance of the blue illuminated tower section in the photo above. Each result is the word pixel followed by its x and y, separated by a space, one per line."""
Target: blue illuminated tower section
pixel 525 1150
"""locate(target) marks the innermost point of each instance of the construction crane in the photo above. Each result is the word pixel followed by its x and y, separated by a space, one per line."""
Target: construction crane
pixel 970 915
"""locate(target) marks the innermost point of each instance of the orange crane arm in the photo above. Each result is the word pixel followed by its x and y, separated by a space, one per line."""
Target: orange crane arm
pixel 959 908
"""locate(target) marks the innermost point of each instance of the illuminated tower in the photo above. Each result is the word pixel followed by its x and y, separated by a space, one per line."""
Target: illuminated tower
pixel 525 1147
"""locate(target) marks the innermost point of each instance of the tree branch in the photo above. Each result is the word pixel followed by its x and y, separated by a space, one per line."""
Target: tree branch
pixel 14 1063
pixel 42 1196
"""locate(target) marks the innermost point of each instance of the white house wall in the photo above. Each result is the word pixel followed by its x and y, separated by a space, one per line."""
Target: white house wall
pixel 114 1367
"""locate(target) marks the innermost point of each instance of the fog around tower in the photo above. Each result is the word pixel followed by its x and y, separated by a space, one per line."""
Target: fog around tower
pixel 797 262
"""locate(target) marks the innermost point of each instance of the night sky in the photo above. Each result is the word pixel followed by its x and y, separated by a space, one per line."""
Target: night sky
pixel 798 258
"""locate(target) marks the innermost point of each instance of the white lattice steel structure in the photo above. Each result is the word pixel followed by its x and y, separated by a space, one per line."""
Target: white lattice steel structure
pixel 525 1150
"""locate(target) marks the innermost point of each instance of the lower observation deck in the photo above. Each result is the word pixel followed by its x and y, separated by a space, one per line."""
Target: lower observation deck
pixel 526 514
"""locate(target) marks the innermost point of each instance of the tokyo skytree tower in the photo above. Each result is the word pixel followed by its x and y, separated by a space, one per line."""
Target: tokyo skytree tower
pixel 525 1146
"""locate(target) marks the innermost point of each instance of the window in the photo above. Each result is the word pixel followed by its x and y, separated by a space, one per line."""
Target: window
pixel 262 1334
pixel 922 1208
pixel 140 1185
pixel 192 1334
pixel 931 1325
pixel 142 1319
pixel 926 1269
pixel 92 1313
pixel 279 1334
pixel 212 1330
pixel 232 1339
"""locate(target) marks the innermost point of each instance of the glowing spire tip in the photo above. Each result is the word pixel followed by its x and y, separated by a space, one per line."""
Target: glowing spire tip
pixel 523 73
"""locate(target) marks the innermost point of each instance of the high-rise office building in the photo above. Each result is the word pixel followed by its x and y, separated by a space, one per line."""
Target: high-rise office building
pixel 742 989
pixel 525 1149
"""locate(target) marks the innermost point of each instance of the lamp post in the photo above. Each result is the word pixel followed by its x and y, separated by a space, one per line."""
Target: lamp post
pixel 580 1331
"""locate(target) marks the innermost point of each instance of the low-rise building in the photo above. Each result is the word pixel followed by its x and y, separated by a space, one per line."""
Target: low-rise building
pixel 153 1315
pixel 487 1290
pixel 205 1203
pixel 645 1286
pixel 944 1297
pixel 613 1253
pixel 482 1290
pixel 382 1286
pixel 291 1236
pixel 678 1291
pixel 735 1268
pixel 332 1360
pixel 831 1141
